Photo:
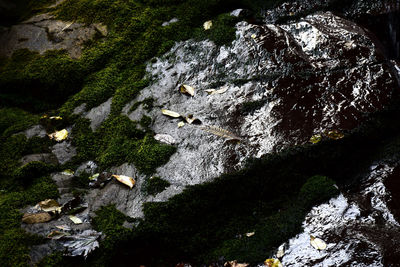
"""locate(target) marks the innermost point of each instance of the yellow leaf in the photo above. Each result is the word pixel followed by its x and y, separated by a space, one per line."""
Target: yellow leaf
pixel 49 205
pixel 170 113
pixel 186 89
pixel 273 263
pixel 250 234
pixel 315 138
pixel 129 181
pixel 55 118
pixel 181 124
pixel 75 219
pixel 59 135
pixel 219 91
pixel 334 134
pixel 207 25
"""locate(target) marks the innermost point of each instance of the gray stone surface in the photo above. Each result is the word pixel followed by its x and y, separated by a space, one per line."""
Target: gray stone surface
pixel 99 114
pixel 43 32
pixel 89 167
pixel 63 182
pixel 36 130
pixel 64 151
pixel 47 158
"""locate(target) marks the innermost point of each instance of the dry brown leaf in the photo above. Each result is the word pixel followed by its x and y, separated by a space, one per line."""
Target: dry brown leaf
pixel 334 134
pixel 186 89
pixel 59 135
pixel 220 132
pixel 31 218
pixel 170 113
pixel 129 181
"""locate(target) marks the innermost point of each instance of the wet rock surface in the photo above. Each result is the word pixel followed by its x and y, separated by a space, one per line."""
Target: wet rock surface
pixel 358 226
pixel 284 83
pixel 43 32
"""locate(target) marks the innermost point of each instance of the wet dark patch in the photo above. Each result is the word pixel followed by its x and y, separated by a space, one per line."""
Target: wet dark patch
pixel 392 183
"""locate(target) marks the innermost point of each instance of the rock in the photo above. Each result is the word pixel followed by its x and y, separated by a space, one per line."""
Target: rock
pixel 64 151
pixel 47 158
pixel 36 130
pixel 42 33
pixel 99 114
pixel 79 109
pixel 63 182
pixel 88 167
pixel 286 84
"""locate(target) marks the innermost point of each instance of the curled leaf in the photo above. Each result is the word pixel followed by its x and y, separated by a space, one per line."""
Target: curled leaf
pixel 334 134
pixel 129 181
pixel 207 25
pixel 31 218
pixel 59 135
pixel 165 138
pixel 57 235
pixel 315 138
pixel 273 263
pixel 220 132
pixel 186 89
pixel 317 243
pixel 75 219
pixel 170 113
pixel 181 124
pixel 49 205
pixel 68 172
pixel 219 91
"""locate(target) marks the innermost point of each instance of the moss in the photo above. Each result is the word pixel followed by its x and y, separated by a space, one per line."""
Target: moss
pixel 24 175
pixel 13 120
pixel 317 189
pixel 22 10
pixel 155 185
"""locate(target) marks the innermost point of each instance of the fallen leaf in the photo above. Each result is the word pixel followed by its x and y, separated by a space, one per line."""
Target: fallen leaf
pixel 186 89
pixel 192 120
pixel 214 91
pixel 59 135
pixel 334 134
pixel 68 172
pixel 273 263
pixel 317 243
pixel 235 264
pixel 49 205
pixel 75 219
pixel 129 181
pixel 170 113
pixel 250 234
pixel 280 252
pixel 64 227
pixel 55 118
pixel 207 25
pixel 253 36
pixel 315 138
pixel 31 218
pixel 83 243
pixel 165 138
pixel 94 177
pixel 220 132
pixel 57 235
pixel 181 124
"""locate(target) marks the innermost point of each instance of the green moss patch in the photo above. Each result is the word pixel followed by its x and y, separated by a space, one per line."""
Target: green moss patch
pixel 155 185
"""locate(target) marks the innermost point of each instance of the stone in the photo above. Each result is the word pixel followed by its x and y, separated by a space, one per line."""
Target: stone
pixel 36 130
pixel 43 32
pixel 99 114
pixel 88 167
pixel 64 151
